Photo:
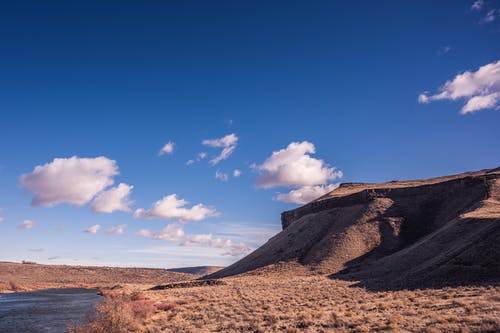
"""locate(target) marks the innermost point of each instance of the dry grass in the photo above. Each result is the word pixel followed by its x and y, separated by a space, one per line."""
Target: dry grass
pixel 299 303
pixel 23 277
pixel 117 314
pixel 319 304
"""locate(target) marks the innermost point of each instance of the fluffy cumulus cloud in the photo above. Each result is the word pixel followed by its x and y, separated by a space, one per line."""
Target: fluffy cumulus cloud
pixel 175 233
pixel 27 224
pixel 71 180
pixel 118 230
pixel 168 148
pixel 227 143
pixel 293 166
pixel 236 173
pixel 305 194
pixel 93 229
pixel 114 199
pixel 479 89
pixel 170 207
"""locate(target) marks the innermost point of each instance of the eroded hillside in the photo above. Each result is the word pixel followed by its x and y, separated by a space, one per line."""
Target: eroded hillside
pixel 424 232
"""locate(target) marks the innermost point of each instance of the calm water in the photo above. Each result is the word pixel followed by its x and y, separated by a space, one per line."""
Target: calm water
pixel 44 311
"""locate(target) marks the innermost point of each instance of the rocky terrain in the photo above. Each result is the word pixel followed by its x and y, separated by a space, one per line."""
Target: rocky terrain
pixel 401 234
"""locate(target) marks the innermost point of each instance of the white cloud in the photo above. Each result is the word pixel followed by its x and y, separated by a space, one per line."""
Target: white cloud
pixel 480 89
pixel 71 180
pixel 444 50
pixel 1 217
pixel 168 148
pixel 293 166
pixel 170 233
pixel 118 230
pixel 491 15
pixel 477 5
pixel 189 162
pixel 27 224
pixel 221 176
pixel 114 199
pixel 236 173
pixel 227 143
pixel 175 233
pixel 169 207
pixel 93 229
pixel 202 155
pixel 305 194
pixel 490 101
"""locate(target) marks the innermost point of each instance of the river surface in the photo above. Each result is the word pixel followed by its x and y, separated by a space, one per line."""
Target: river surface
pixel 44 311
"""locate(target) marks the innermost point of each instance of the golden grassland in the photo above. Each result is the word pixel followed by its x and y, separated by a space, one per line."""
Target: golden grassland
pixel 31 276
pixel 297 303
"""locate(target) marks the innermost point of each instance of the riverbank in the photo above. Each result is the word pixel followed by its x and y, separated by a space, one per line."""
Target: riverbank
pixel 47 310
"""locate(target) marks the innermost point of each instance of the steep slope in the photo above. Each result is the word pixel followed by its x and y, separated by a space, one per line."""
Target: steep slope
pixel 437 231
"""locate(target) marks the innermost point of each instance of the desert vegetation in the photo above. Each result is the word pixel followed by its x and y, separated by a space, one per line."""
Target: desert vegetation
pixel 276 302
pixel 31 276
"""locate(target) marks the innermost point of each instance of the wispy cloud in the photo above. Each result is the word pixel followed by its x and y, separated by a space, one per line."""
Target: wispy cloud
pixel 36 250
pixel 201 156
pixel 168 148
pixel 1 217
pixel 114 199
pixel 480 89
pixel 71 180
pixel 54 258
pixel 228 144
pixel 93 229
pixel 236 173
pixel 477 5
pixel 491 15
pixel 170 207
pixel 444 50
pixel 118 230
pixel 175 233
pixel 221 176
pixel 27 224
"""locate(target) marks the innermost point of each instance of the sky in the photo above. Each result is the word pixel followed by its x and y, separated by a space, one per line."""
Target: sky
pixel 168 134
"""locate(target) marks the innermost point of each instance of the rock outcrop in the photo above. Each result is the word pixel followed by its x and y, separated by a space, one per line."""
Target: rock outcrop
pixel 403 233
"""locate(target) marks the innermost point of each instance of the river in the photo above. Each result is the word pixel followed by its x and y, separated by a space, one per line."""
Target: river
pixel 44 311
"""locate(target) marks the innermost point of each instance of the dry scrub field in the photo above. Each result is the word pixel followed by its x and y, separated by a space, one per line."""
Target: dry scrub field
pixel 24 277
pixel 277 303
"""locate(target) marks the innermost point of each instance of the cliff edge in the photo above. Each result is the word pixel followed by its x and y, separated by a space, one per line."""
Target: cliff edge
pixel 439 231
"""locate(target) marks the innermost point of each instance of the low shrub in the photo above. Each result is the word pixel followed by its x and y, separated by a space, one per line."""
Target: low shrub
pixel 116 314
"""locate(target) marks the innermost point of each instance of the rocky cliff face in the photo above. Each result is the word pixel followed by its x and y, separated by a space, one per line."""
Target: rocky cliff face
pixel 437 231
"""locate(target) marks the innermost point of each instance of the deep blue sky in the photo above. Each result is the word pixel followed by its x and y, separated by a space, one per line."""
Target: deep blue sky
pixel 120 79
